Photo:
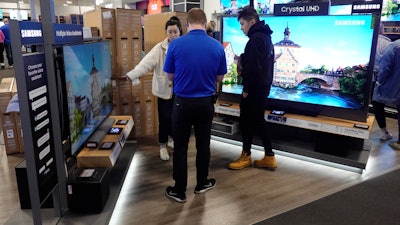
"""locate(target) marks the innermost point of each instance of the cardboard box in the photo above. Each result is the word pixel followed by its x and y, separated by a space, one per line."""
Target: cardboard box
pixel 20 134
pixel 128 23
pixel 97 157
pixel 154 27
pixel 102 18
pixel 7 86
pixel 10 133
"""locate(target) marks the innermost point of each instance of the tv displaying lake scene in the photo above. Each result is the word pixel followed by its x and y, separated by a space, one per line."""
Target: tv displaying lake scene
pixel 321 61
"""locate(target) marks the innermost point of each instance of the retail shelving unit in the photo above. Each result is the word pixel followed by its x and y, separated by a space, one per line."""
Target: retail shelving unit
pixel 331 140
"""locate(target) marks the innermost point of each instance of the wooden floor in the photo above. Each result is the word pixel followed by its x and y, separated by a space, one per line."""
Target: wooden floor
pixel 240 197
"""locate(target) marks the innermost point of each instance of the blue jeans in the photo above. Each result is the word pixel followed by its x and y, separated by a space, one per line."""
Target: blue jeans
pixel 188 112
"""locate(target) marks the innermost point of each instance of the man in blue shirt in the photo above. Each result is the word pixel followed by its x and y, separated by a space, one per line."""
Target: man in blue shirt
pixel 7 42
pixel 194 63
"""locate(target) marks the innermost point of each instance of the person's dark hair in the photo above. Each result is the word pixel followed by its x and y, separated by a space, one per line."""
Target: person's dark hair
pixel 248 13
pixel 196 16
pixel 174 21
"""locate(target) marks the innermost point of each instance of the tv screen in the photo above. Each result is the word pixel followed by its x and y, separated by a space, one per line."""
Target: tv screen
pixel 231 7
pixel 89 89
pixel 390 10
pixel 321 63
pixel 340 10
pixel 267 6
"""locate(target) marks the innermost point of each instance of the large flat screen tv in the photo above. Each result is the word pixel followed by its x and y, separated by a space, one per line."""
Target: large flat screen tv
pixel 88 89
pixel 322 63
pixel 231 7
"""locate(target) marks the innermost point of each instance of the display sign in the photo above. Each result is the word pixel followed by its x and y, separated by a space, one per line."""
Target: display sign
pixel 301 9
pixel 31 33
pixel 366 7
pixel 41 129
pixel 67 33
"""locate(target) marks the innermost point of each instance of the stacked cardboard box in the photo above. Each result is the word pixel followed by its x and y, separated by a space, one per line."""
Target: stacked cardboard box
pixel 128 39
pixel 6 88
pixel 154 27
pixel 104 20
pixel 11 132
pixel 10 122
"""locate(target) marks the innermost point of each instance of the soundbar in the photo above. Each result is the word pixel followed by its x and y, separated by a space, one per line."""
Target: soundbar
pixel 97 137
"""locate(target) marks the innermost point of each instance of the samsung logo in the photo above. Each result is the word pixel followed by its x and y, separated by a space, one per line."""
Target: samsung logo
pixel 31 33
pixel 366 6
pixel 349 22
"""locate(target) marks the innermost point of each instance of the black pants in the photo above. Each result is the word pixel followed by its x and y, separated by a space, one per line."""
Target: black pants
pixel 164 119
pixel 252 120
pixel 9 54
pixel 2 52
pixel 378 109
pixel 188 112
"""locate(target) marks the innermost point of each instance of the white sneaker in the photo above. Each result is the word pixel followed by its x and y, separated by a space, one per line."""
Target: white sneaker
pixel 2 65
pixel 170 143
pixel 385 136
pixel 164 154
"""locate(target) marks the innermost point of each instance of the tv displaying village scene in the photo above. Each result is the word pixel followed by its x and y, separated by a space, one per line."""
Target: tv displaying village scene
pixel 321 60
pixel 89 89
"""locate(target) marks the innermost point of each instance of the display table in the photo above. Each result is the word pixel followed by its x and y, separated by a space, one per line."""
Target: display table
pixel 329 139
pixel 102 156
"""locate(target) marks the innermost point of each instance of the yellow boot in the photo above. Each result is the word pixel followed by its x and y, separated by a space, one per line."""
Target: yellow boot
pixel 242 162
pixel 268 162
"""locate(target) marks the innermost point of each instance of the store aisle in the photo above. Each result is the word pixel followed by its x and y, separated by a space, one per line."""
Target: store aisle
pixel 240 197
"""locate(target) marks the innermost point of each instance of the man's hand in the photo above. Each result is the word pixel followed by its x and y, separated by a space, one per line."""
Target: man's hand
pixel 244 94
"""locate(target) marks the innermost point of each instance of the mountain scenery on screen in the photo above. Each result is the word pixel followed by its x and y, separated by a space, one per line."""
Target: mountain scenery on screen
pixel 319 60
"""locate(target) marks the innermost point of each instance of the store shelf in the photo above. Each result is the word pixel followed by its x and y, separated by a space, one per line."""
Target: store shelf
pixel 320 123
pixel 330 140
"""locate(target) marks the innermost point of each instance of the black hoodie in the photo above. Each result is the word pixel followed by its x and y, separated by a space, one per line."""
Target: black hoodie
pixel 257 61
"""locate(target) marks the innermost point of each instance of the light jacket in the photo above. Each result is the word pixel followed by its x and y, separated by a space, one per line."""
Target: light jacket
pixel 387 88
pixel 154 60
pixel 381 45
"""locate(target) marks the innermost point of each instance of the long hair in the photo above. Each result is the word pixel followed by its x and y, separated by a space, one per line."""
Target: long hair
pixel 174 21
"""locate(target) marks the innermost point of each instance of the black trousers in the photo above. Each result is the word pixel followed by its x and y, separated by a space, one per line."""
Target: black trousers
pixel 9 54
pixel 188 112
pixel 164 119
pixel 252 121
pixel 378 109
pixel 2 52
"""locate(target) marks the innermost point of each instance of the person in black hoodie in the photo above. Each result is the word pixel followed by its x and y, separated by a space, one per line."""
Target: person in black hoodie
pixel 257 65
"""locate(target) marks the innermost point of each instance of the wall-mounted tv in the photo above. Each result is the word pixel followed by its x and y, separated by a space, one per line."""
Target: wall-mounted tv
pixel 321 63
pixel 267 6
pixel 231 7
pixel 390 10
pixel 89 89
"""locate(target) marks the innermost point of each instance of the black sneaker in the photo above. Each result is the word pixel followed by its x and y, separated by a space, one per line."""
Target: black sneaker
pixel 210 184
pixel 179 197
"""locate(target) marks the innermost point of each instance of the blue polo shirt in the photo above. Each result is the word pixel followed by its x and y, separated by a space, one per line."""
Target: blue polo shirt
pixel 195 59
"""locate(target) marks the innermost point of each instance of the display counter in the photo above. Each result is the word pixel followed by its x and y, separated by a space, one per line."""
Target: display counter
pixel 328 139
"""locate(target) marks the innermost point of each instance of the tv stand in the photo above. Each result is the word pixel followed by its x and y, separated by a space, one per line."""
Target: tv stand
pixel 330 140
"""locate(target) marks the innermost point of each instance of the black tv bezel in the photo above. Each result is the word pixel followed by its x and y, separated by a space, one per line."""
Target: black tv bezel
pixel 309 109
